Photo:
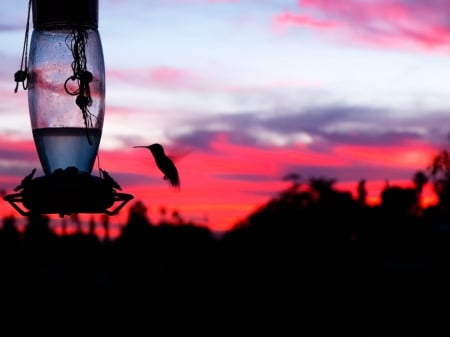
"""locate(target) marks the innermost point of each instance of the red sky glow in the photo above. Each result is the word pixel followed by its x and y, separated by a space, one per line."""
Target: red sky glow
pixel 242 93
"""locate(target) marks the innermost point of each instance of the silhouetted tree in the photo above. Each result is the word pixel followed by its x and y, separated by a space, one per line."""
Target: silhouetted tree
pixel 405 199
pixel 75 219
pixel 176 217
pixel 38 227
pixel 105 224
pixel 38 238
pixel 325 194
pixel 63 226
pixel 399 199
pixel 362 192
pixel 9 234
pixel 92 226
pixel 440 175
pixel 420 179
pixel 163 214
pixel 138 223
pixel 295 180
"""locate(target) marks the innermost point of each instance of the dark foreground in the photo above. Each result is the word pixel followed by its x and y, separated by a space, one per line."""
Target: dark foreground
pixel 179 280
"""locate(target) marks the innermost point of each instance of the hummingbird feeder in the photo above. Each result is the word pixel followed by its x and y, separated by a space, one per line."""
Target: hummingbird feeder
pixel 64 74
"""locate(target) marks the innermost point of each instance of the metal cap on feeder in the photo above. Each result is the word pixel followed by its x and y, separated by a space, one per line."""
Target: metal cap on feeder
pixel 64 74
pixel 52 13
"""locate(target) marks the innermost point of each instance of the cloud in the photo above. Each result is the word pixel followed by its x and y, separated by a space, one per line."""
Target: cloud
pixel 17 158
pixel 230 170
pixel 16 149
pixel 7 27
pixel 207 1
pixel 169 77
pixel 258 178
pixel 199 139
pixel 335 136
pixel 162 77
pixel 253 163
pixel 319 128
pixel 387 23
pixel 289 18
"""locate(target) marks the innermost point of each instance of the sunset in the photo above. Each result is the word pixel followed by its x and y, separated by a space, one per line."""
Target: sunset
pixel 242 93
pixel 254 102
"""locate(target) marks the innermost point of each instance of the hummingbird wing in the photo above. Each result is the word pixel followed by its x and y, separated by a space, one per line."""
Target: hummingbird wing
pixel 177 153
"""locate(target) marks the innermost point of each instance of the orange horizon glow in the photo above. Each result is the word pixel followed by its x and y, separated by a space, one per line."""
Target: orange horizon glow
pixel 222 187
pixel 229 213
pixel 210 190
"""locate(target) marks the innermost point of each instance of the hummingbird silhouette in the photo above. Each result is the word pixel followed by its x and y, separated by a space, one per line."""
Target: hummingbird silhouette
pixel 164 163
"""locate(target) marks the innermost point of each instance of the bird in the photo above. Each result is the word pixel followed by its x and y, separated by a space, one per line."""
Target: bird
pixel 164 163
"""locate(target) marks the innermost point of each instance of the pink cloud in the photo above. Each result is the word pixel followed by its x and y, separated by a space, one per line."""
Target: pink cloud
pixel 208 1
pixel 388 23
pixel 169 77
pixel 161 77
pixel 361 11
pixel 288 18
pixel 409 154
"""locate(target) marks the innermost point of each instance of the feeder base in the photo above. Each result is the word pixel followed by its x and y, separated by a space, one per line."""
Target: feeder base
pixel 65 192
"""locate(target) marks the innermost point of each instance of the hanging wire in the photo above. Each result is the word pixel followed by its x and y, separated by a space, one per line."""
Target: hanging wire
pixel 77 43
pixel 21 75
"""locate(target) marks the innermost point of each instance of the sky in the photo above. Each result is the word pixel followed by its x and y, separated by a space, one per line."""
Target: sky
pixel 243 92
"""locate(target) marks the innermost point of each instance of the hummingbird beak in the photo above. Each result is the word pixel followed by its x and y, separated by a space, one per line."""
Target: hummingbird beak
pixel 140 146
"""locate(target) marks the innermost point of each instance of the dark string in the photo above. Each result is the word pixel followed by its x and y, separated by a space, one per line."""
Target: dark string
pixel 22 74
pixel 77 45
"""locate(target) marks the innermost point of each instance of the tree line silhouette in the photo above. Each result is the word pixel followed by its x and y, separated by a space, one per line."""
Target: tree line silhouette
pixel 313 260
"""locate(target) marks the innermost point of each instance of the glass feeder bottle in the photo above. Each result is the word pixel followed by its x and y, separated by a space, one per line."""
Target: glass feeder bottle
pixel 66 84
